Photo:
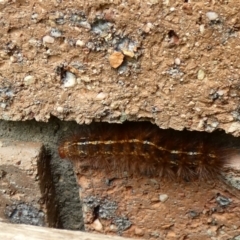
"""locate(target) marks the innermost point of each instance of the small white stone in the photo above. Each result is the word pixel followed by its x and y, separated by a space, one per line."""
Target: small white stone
pixel 172 9
pixel 177 61
pixel 97 225
pixel 48 39
pixel 220 92
pixel 13 59
pixel 202 28
pixel 69 80
pixel 149 25
pixel 60 109
pixel 201 74
pixel 214 124
pixel 28 80
pixel 113 228
pixel 101 96
pixel 212 16
pixel 163 197
pixel 3 105
pixel 128 53
pixel 80 43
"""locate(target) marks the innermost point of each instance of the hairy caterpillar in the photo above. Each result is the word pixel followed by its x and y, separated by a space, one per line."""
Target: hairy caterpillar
pixel 143 148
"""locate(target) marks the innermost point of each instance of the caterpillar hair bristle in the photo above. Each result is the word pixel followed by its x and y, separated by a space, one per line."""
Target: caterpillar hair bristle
pixel 143 148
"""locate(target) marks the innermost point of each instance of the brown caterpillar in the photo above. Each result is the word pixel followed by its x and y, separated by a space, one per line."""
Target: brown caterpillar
pixel 143 148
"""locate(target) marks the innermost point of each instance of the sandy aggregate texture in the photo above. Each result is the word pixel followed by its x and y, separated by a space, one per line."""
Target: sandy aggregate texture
pixel 150 208
pixel 174 63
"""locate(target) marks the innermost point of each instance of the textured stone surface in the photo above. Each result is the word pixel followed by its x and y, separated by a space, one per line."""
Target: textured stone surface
pixel 131 207
pixel 180 68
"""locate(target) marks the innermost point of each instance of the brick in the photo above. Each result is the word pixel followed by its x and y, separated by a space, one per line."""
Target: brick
pixel 130 205
pixel 22 193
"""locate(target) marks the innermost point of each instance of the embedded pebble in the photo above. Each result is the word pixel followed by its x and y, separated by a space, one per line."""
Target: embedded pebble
pixel 223 201
pixel 48 39
pixel 34 16
pixel 147 27
pixel 163 197
pixel 212 16
pixel 150 25
pixel 177 61
pixel 201 74
pixel 3 105
pixel 55 33
pixel 101 96
pixel 113 228
pixel 97 225
pixel 220 92
pixel 202 28
pixel 80 43
pixel 116 59
pixel 13 59
pixel 28 80
pixel 193 214
pixel 85 24
pixel 128 53
pixel 69 80
pixel 60 109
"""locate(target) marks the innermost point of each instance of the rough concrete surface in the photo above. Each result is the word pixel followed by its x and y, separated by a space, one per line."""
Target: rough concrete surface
pixel 171 62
